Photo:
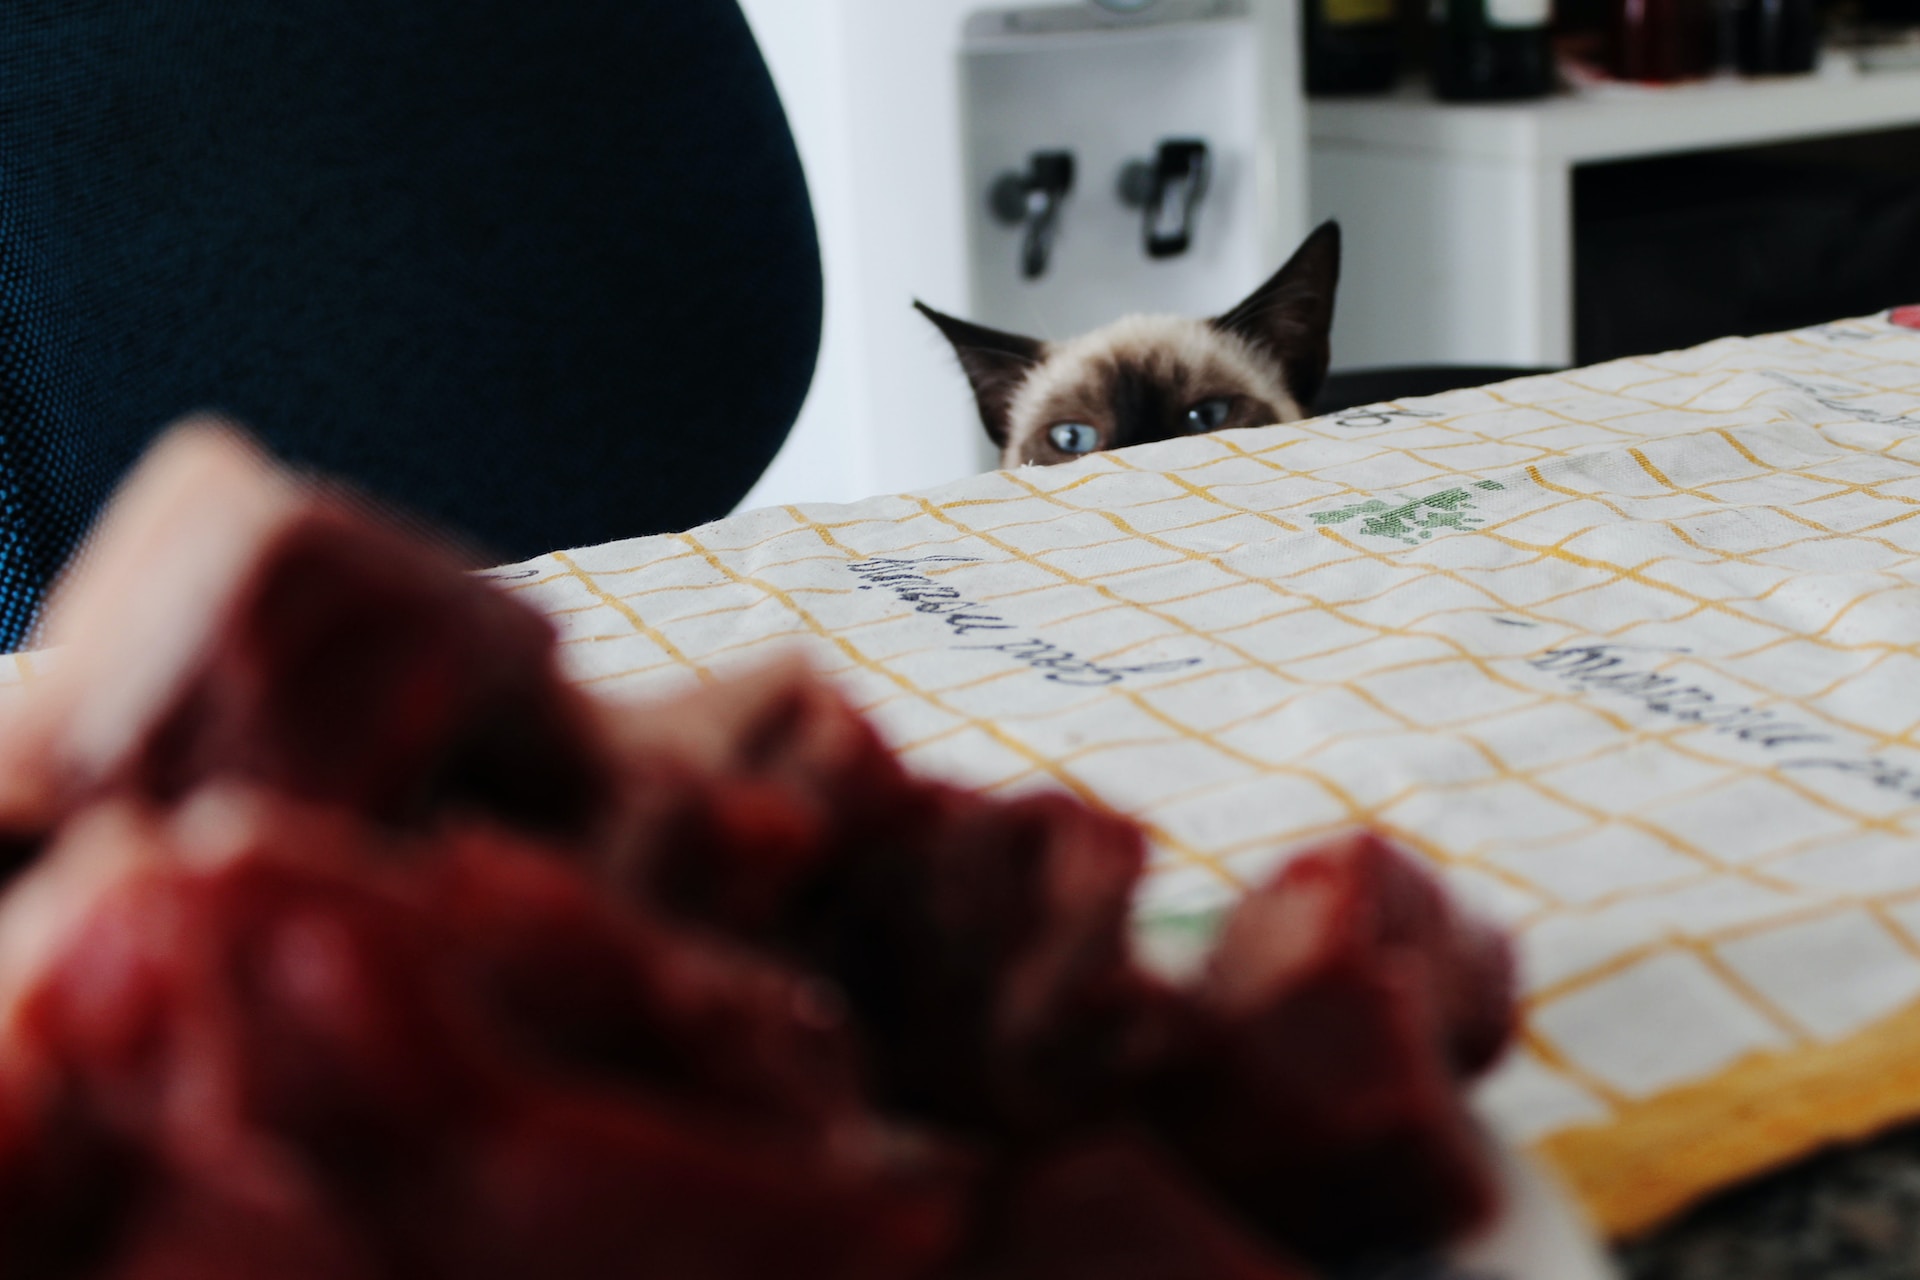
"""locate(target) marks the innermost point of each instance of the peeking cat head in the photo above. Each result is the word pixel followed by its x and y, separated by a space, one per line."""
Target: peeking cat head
pixel 1154 377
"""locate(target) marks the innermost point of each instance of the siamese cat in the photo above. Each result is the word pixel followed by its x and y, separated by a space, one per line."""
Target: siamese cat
pixel 1155 377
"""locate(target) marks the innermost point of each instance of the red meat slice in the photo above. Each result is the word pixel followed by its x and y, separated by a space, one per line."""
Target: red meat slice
pixel 185 1231
pixel 232 625
pixel 63 1184
pixel 1116 1208
pixel 345 940
pixel 1319 1095
pixel 985 953
pixel 738 794
pixel 577 1190
pixel 983 946
pixel 619 996
pixel 357 667
pixel 267 1031
pixel 1355 897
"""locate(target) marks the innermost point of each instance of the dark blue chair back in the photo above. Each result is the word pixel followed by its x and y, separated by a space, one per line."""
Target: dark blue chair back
pixel 541 270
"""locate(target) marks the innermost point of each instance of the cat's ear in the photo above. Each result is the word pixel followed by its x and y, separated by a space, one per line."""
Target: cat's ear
pixel 996 364
pixel 1290 316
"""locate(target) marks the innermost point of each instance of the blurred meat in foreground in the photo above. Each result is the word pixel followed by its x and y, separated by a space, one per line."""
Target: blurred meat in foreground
pixel 341 938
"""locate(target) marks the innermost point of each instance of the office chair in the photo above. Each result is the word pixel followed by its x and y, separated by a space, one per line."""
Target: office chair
pixel 543 272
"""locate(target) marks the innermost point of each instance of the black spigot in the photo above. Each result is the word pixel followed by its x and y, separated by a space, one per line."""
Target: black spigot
pixel 1034 198
pixel 1169 188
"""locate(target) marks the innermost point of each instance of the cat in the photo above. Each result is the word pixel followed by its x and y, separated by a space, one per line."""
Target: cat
pixel 1148 378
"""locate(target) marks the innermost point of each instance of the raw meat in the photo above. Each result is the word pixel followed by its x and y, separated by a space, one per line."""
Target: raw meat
pixel 254 1041
pixel 341 939
pixel 1317 1089
pixel 233 624
pixel 1114 1207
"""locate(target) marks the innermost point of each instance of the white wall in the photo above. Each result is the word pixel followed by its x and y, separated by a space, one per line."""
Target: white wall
pixel 1110 97
pixel 872 90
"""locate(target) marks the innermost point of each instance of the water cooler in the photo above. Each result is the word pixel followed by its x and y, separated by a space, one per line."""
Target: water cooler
pixel 1129 156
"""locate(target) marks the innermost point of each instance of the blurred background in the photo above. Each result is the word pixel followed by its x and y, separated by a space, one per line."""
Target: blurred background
pixel 1528 183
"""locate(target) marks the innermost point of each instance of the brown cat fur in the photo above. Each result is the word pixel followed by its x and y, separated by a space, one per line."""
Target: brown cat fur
pixel 1147 378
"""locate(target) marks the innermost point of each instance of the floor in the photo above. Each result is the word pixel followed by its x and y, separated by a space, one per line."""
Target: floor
pixel 1846 1215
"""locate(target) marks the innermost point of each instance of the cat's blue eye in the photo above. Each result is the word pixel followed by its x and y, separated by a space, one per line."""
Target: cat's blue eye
pixel 1209 415
pixel 1073 437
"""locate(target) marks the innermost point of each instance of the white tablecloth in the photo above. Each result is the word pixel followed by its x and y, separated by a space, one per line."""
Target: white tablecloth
pixel 1633 653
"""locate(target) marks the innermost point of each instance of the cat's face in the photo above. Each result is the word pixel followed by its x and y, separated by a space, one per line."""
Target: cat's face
pixel 1156 377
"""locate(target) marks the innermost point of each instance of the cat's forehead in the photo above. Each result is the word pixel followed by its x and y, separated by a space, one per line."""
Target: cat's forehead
pixel 1185 355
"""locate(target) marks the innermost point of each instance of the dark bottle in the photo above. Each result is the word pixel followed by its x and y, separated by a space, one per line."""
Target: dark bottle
pixel 1352 46
pixel 1659 41
pixel 1774 37
pixel 1490 49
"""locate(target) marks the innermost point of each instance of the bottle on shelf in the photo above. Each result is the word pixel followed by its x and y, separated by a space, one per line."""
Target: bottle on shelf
pixel 1774 37
pixel 1484 50
pixel 1660 41
pixel 1351 46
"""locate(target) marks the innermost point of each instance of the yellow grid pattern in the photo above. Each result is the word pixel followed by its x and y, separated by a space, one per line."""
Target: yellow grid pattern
pixel 1712 909
pixel 1718 927
pixel 1276 634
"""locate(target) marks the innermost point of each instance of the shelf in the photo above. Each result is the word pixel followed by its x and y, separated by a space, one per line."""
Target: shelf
pixel 1617 122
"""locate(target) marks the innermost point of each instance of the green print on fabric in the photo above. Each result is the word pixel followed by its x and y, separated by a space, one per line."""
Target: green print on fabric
pixel 1412 522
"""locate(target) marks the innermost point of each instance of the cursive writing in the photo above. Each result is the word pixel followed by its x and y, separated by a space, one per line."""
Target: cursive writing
pixel 902 577
pixel 1607 668
pixel 1065 667
pixel 1835 398
pixel 1875 770
pixel 1380 415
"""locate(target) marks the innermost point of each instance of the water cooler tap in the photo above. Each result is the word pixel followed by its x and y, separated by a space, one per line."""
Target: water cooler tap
pixel 1169 189
pixel 1033 199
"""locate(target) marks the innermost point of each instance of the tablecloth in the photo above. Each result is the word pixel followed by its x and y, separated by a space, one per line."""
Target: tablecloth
pixel 1632 653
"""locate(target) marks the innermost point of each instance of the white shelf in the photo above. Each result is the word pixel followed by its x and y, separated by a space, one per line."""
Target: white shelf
pixel 1459 217
pixel 1617 122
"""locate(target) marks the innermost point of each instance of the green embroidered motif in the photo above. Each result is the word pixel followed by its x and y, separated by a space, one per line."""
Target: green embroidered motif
pixel 1412 522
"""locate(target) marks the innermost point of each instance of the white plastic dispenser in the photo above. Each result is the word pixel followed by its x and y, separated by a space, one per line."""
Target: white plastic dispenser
pixel 1125 157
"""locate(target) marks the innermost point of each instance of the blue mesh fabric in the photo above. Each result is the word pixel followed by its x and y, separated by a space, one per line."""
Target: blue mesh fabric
pixel 545 272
